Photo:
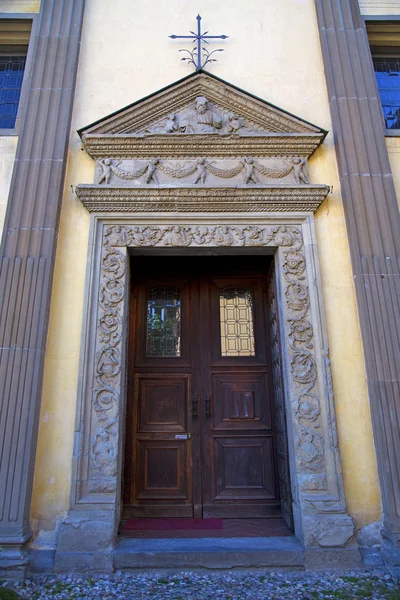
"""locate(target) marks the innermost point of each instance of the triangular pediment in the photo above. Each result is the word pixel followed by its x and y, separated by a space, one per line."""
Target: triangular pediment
pixel 201 108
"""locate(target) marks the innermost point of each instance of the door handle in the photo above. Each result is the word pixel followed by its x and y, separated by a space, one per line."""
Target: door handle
pixel 208 406
pixel 194 407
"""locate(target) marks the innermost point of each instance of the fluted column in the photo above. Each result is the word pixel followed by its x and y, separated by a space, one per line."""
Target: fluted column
pixel 373 225
pixel 27 254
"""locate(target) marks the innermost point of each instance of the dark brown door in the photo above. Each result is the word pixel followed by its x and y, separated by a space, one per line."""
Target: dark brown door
pixel 200 430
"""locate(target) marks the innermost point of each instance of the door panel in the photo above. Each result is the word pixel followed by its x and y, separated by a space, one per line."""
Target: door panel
pixel 162 402
pixel 245 468
pixel 238 401
pixel 163 459
pixel 162 473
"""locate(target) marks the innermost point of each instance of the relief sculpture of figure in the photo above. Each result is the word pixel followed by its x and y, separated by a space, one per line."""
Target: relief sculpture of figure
pixel 204 119
pixel 151 171
pixel 170 124
pixel 249 172
pixel 298 165
pixel 201 171
pixel 233 123
pixel 105 176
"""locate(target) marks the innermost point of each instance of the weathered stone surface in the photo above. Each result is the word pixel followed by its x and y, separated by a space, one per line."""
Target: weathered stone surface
pixel 209 553
pixel 332 558
pixel 14 560
pixel 370 542
pixel 328 530
pixel 86 541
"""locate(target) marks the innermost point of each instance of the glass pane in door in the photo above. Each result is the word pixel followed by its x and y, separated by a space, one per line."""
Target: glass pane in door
pixel 163 332
pixel 237 321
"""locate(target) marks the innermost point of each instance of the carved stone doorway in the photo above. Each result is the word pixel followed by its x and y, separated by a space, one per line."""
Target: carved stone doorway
pixel 319 510
pixel 205 427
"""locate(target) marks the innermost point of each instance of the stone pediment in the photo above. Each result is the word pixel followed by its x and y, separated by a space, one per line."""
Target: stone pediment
pixel 201 144
pixel 208 116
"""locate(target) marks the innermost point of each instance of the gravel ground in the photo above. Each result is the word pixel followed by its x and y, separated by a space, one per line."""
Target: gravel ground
pixel 201 585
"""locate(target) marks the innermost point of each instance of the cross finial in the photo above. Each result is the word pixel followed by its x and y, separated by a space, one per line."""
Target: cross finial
pixel 199 56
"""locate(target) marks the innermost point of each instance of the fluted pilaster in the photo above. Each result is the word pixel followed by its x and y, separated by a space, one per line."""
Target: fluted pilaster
pixel 373 225
pixel 28 251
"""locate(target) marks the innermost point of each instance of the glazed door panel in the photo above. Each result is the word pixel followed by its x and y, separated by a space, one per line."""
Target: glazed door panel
pixel 159 443
pixel 239 473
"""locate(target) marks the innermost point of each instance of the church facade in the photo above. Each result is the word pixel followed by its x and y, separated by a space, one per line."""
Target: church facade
pixel 199 280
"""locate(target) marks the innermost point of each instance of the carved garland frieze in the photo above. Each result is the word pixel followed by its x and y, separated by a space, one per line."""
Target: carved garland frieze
pixel 244 171
pixel 107 385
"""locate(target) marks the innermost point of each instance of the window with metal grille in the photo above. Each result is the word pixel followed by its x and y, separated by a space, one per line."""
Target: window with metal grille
pixel 14 40
pixel 387 71
pixel 384 39
pixel 11 76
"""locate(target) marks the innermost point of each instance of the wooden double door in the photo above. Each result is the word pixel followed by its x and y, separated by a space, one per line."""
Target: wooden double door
pixel 200 429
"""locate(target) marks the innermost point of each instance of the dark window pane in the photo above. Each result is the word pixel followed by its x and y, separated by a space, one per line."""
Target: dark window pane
pixel 163 336
pixel 11 75
pixel 387 71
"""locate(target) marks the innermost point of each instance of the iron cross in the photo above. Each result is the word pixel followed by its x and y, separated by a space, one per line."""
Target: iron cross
pixel 195 56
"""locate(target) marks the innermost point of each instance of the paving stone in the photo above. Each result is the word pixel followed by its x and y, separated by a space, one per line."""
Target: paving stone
pixel 203 585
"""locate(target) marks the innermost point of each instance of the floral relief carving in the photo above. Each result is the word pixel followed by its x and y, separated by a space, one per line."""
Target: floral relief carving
pixel 106 391
pixel 310 443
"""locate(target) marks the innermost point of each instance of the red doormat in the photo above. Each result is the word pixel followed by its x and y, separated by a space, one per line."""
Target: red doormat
pixel 173 524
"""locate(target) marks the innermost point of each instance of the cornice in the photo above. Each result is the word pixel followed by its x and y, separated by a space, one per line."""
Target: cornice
pixel 270 198
pixel 195 145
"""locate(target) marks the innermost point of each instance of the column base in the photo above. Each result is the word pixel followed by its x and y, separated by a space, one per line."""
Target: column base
pixel 86 542
pixel 14 561
pixel 391 558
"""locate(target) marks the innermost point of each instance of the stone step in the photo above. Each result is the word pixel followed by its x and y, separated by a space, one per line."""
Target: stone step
pixel 210 553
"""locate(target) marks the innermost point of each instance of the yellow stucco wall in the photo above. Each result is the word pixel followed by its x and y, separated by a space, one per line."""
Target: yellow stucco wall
pixel 393 146
pixel 274 52
pixel 8 147
pixel 19 6
pixel 379 7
